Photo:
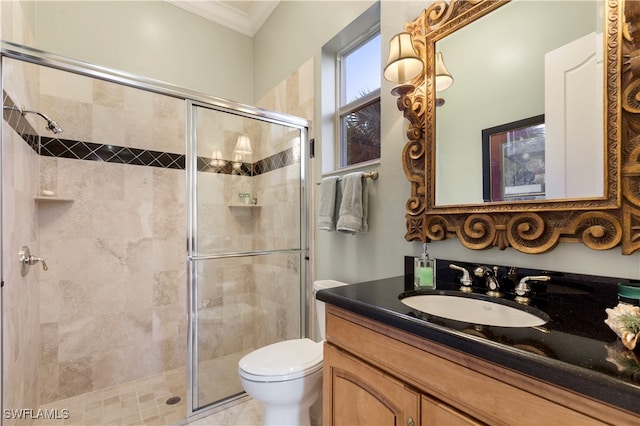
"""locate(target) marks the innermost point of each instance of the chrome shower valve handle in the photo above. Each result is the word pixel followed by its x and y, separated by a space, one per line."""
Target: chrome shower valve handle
pixel 34 260
pixel 27 259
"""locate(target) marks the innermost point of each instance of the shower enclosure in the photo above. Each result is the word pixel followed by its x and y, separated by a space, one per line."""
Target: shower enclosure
pixel 129 324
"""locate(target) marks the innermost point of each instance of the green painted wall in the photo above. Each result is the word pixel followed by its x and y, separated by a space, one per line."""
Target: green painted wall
pixel 153 39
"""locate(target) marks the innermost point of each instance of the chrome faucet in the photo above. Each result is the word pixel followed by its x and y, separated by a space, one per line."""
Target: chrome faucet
pixel 491 279
pixel 465 280
pixel 523 289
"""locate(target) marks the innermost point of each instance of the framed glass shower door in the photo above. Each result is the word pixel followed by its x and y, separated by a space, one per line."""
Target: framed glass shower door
pixel 247 241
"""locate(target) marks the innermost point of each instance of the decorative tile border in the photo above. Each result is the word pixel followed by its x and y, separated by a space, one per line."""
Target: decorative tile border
pixel 273 162
pixel 12 115
pixel 79 150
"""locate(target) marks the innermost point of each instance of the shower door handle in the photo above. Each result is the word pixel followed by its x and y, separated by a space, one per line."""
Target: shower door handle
pixel 27 259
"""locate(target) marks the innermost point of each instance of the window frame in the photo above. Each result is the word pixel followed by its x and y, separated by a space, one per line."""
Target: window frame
pixel 357 104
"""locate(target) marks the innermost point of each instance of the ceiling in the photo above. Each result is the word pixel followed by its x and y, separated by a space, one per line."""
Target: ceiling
pixel 246 17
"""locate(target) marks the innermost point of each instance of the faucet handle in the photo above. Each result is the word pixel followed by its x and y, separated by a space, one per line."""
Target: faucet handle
pixel 465 280
pixel 523 289
pixel 534 278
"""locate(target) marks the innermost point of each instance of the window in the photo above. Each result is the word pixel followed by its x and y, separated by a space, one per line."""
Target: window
pixel 351 71
pixel 358 107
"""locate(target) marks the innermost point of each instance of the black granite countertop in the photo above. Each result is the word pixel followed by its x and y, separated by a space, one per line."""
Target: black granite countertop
pixel 575 350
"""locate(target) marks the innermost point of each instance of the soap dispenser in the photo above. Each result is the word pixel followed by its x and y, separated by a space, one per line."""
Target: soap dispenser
pixel 424 271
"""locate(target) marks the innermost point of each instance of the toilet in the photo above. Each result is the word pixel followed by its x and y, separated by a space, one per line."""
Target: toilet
pixel 286 377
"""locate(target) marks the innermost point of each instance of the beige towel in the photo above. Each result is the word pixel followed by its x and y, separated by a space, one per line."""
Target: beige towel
pixel 353 213
pixel 327 209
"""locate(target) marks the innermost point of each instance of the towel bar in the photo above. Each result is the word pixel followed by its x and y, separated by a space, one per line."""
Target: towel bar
pixel 373 175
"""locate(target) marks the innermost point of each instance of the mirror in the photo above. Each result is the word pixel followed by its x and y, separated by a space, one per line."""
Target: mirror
pixel 552 72
pixel 603 219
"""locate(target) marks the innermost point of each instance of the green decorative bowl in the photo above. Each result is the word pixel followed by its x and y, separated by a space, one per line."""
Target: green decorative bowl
pixel 629 292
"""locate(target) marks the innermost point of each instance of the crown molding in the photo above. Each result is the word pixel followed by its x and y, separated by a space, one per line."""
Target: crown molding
pixel 229 16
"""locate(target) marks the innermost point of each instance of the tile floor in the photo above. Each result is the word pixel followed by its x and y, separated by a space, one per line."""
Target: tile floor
pixel 140 402
pixel 218 378
pixel 248 413
pixel 144 401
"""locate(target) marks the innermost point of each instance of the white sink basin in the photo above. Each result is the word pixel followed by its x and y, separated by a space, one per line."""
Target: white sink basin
pixel 467 308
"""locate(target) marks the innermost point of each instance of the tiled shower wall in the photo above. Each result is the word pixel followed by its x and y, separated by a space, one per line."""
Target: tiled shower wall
pixel 294 95
pixel 21 335
pixel 113 303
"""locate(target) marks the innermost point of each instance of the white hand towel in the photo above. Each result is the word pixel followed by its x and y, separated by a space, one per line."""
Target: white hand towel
pixel 354 210
pixel 327 210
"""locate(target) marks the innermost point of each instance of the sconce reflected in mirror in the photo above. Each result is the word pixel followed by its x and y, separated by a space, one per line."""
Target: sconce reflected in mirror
pixel 243 146
pixel 236 164
pixel 443 78
pixel 217 162
pixel 403 64
pixel 241 152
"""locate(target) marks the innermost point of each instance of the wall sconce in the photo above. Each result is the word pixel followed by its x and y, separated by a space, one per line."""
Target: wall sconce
pixel 217 162
pixel 403 64
pixel 444 79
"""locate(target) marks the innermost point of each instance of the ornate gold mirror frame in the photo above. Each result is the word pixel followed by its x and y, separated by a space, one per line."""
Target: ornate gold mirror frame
pixel 537 226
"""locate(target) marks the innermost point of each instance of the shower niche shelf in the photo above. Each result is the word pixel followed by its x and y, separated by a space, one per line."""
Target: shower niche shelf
pixel 49 199
pixel 244 205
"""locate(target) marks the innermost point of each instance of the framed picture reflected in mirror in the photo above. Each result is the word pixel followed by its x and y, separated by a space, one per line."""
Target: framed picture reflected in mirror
pixel 513 161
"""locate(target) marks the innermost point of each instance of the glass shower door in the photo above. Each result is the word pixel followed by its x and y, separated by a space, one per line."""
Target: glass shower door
pixel 247 245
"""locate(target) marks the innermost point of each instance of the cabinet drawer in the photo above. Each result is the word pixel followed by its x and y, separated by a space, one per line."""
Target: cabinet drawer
pixel 435 413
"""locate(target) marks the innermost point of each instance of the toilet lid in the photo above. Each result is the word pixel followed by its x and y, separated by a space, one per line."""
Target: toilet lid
pixel 288 358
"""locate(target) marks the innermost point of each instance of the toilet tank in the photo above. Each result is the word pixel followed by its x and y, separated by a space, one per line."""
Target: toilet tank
pixel 320 316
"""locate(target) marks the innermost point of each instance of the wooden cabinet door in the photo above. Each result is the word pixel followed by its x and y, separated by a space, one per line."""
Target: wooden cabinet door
pixel 436 413
pixel 354 393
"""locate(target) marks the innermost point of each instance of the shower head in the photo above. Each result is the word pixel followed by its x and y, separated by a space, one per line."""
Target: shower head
pixel 54 127
pixel 51 125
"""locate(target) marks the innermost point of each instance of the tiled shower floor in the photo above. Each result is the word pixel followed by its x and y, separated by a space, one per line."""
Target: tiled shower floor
pixel 144 401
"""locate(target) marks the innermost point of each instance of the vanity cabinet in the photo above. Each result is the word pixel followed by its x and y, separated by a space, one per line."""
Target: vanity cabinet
pixel 375 374
pixel 364 395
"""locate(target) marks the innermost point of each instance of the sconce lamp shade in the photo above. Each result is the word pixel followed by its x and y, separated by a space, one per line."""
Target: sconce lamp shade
pixel 216 159
pixel 403 63
pixel 443 76
pixel 243 146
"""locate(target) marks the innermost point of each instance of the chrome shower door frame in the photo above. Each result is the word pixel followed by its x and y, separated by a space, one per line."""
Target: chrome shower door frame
pixel 192 247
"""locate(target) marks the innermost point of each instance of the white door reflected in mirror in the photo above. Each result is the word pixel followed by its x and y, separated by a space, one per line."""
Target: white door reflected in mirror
pixel 573 119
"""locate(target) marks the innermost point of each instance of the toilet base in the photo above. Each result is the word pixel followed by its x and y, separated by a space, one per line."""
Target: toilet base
pixel 296 413
pixel 285 415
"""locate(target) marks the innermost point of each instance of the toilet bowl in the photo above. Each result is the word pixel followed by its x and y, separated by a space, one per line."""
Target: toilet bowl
pixel 287 376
